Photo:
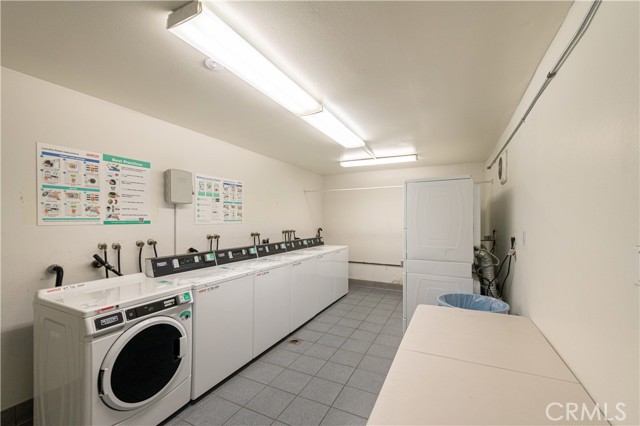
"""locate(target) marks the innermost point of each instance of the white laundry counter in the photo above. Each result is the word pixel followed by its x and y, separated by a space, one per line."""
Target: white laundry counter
pixel 462 367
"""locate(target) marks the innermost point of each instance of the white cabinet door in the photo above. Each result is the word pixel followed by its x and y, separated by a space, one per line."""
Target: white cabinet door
pixel 423 289
pixel 222 332
pixel 324 281
pixel 341 273
pixel 272 303
pixel 303 283
pixel 439 220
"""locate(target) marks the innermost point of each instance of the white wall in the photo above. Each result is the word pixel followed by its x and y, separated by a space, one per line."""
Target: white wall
pixel 573 185
pixel 370 222
pixel 34 110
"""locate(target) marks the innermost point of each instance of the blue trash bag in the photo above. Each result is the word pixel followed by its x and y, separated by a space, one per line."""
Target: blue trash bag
pixel 474 302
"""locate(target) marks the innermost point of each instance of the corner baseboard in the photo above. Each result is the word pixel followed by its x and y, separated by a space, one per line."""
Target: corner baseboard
pixel 375 284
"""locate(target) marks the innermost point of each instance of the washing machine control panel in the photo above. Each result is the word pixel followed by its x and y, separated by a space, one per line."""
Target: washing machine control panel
pixel 295 245
pixel 269 249
pixel 236 254
pixel 157 306
pixel 167 265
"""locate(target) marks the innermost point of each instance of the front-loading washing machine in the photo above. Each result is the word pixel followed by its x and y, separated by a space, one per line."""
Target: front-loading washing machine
pixel 112 352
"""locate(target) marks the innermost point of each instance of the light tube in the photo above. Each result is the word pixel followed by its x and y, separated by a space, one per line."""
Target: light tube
pixel 203 30
pixel 328 124
pixel 380 160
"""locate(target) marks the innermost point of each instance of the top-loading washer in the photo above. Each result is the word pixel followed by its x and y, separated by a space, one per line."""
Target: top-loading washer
pixel 113 351
pixel 222 306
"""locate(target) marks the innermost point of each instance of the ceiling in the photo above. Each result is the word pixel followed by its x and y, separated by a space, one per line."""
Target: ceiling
pixel 440 79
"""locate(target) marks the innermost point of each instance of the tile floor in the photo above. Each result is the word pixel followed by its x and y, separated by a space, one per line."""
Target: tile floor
pixel 329 372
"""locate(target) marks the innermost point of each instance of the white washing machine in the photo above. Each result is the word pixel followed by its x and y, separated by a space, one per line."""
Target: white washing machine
pixel 112 352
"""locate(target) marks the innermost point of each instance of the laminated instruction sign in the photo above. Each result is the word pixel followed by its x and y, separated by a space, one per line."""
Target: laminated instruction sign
pixel 77 187
pixel 218 200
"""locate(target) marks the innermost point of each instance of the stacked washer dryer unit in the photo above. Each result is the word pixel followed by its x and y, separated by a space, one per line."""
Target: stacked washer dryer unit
pixel 112 352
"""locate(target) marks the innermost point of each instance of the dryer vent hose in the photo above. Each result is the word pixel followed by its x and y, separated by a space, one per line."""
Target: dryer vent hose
pixel 486 271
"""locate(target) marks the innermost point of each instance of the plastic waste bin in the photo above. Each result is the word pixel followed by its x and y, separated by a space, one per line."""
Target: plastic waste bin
pixel 474 302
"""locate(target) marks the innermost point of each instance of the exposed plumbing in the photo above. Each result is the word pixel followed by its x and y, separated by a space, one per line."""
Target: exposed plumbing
pixel 57 269
pixel 211 238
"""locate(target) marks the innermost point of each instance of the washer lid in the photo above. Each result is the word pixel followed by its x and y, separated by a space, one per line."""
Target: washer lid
pixel 97 297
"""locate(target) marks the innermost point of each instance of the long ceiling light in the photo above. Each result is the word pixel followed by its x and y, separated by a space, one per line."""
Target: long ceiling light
pixel 380 160
pixel 206 32
pixel 328 124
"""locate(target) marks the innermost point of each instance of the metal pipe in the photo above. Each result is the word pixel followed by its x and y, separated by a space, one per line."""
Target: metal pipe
pixel 567 51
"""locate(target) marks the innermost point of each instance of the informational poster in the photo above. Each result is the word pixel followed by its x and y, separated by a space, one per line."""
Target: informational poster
pixel 77 187
pixel 218 200
pixel 127 186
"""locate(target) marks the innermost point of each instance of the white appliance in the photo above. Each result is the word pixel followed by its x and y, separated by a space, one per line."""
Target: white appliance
pixel 222 323
pixel 271 304
pixel 439 238
pixel 113 351
pixel 340 272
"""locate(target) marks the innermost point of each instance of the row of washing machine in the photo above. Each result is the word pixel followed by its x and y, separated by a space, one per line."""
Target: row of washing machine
pixel 135 349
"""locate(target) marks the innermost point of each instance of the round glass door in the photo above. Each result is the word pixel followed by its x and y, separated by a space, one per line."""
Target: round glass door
pixel 142 363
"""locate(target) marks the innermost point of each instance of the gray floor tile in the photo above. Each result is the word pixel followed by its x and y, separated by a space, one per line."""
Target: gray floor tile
pixel 355 401
pixel 368 304
pixel 328 318
pixel 370 326
pixel 385 339
pixel 246 417
pixel 262 372
pixel 362 309
pixel 393 330
pixel 339 312
pixel 374 297
pixel 375 364
pixel 300 346
pixel 381 313
pixel 356 346
pixel 332 340
pixel 239 390
pixel 366 381
pixel 346 322
pixel 320 351
pixel 212 410
pixel 277 423
pixel 291 381
pixel 322 327
pixel 307 364
pixel 280 357
pixel 367 336
pixel 337 417
pixel 340 330
pixel 352 359
pixel 302 412
pixel 176 421
pixel 356 315
pixel 376 319
pixel 335 372
pixel 270 402
pixel 396 315
pixel 321 390
pixel 382 351
pixel 308 335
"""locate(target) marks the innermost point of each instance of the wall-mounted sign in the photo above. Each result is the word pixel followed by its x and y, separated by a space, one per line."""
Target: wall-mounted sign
pixel 77 187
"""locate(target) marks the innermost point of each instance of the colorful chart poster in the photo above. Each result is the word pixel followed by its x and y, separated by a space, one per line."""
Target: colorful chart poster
pixel 68 186
pixel 208 206
pixel 232 201
pixel 77 187
pixel 218 200
pixel 127 187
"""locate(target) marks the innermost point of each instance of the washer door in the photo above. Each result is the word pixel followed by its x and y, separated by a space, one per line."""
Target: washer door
pixel 142 363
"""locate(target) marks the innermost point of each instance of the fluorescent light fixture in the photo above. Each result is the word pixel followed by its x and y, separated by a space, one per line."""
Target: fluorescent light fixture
pixel 203 30
pixel 328 124
pixel 379 160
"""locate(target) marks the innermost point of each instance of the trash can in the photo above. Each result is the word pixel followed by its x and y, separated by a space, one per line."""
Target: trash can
pixel 474 302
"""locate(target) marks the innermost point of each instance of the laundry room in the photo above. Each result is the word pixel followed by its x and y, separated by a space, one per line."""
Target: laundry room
pixel 295 213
